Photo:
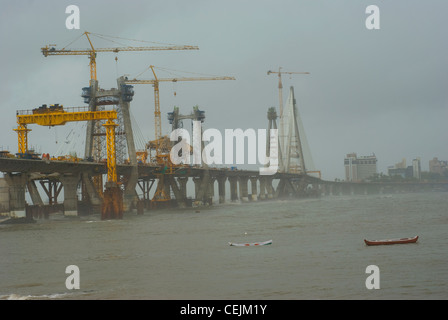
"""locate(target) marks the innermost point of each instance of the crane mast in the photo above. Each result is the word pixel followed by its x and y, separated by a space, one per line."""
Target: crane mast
pixel 158 142
pixel 157 117
pixel 280 106
pixel 280 86
pixel 161 146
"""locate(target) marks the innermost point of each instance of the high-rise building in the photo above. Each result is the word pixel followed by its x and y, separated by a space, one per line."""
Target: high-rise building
pixel 359 168
pixel 400 169
pixel 438 166
pixel 416 168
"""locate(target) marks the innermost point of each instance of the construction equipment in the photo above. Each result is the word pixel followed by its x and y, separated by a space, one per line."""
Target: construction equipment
pixel 60 117
pixel 281 115
pixel 94 96
pixel 112 202
pixel 50 50
pixel 161 144
pixel 280 86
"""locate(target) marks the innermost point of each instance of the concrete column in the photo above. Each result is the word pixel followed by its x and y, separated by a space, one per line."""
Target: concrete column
pixel 197 187
pixel 178 194
pixel 262 188
pixel 91 190
pixel 130 198
pixel 269 188
pixel 183 186
pixel 222 189
pixel 244 194
pixel 253 182
pixel 210 191
pixel 17 184
pixel 70 184
pixel 91 124
pixel 323 189
pixel 34 193
pixel 233 188
pixel 167 186
pixel 4 198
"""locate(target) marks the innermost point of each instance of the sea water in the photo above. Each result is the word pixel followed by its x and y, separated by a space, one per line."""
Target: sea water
pixel 318 251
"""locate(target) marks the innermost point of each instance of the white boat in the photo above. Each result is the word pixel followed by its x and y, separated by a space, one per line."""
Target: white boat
pixel 249 244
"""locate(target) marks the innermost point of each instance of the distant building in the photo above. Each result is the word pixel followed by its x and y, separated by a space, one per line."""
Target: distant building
pixel 416 168
pixel 403 172
pixel 438 166
pixel 400 169
pixel 359 168
pixel 401 165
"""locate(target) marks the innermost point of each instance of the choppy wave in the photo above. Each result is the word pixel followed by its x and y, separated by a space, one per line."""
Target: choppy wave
pixel 15 296
pixel 50 296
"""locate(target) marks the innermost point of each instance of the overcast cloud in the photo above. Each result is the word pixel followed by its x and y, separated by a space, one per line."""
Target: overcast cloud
pixel 370 91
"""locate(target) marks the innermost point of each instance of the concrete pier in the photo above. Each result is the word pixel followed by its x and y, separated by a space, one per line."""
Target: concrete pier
pixel 210 193
pixel 90 190
pixel 70 184
pixel 262 195
pixel 183 186
pixel 17 184
pixel 178 192
pixel 254 193
pixel 244 194
pixel 222 189
pixel 233 188
pixel 269 187
pixel 34 193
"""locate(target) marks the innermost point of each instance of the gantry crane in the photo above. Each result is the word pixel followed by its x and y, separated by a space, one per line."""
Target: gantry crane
pixel 160 145
pixel 56 115
pixel 50 50
pixel 93 127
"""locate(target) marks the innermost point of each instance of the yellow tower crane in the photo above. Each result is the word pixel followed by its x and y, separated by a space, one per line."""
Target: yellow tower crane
pixel 280 86
pixel 56 115
pixel 162 152
pixel 51 50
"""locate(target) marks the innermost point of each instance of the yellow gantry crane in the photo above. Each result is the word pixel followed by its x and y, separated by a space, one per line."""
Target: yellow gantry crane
pixel 56 115
pixel 51 50
pixel 161 154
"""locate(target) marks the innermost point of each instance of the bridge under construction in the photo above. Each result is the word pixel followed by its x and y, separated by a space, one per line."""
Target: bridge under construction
pixel 145 178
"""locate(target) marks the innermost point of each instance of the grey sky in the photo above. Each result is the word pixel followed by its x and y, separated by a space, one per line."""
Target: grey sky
pixel 370 91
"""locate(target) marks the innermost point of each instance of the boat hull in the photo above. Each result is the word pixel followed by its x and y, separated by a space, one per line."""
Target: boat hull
pixel 391 241
pixel 264 243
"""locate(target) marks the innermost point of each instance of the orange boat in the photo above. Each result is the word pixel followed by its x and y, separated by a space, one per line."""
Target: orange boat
pixel 390 241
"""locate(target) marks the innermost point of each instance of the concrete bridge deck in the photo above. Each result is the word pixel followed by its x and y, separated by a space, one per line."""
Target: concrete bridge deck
pixel 21 175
